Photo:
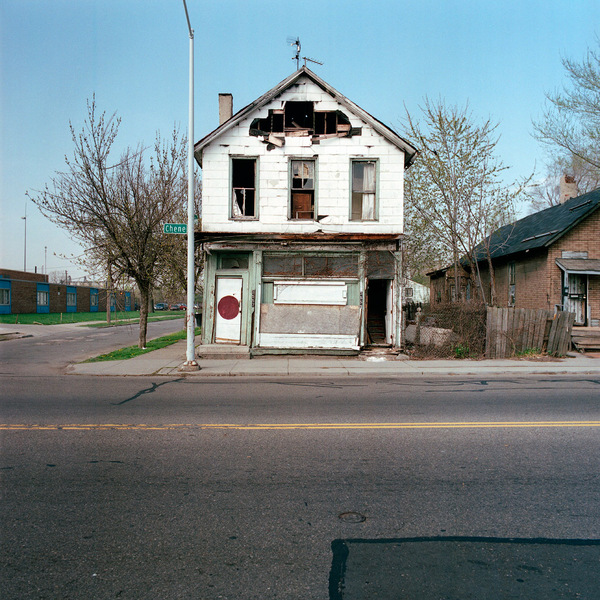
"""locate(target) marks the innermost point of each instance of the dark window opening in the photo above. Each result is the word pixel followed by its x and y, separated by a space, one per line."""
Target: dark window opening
pixel 300 118
pixel 243 176
pixel 233 261
pixel 303 189
pixel 299 115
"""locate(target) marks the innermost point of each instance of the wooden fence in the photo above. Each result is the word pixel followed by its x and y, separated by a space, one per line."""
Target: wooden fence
pixel 514 330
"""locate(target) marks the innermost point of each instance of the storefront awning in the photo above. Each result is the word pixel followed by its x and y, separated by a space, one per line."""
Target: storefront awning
pixel 579 266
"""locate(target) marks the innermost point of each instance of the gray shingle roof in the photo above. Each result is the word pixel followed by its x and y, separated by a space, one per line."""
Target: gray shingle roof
pixel 543 228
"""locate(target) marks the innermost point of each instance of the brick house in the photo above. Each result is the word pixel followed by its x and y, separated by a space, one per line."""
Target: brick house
pixel 25 293
pixel 302 222
pixel 549 260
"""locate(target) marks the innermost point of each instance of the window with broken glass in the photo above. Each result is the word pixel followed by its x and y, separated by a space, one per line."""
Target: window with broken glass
pixel 243 188
pixel 302 193
pixel 364 190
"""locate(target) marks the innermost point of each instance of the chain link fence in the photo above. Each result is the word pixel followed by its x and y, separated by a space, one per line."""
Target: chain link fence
pixel 445 330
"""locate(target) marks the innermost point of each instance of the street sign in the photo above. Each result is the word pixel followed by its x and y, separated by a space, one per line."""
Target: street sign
pixel 174 228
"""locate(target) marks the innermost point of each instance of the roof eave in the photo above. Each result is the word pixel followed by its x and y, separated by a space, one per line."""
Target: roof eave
pixel 410 152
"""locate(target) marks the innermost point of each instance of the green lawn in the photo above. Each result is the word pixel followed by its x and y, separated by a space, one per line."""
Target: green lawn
pixel 120 317
pixel 131 351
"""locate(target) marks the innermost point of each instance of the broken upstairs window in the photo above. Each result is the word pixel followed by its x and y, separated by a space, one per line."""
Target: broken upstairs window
pixel 303 189
pixel 301 119
pixel 243 183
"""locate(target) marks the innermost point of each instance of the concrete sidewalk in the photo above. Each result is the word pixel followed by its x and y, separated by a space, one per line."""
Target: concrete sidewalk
pixel 167 361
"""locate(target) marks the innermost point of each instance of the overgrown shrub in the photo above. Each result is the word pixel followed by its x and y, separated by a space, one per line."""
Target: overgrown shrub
pixel 450 331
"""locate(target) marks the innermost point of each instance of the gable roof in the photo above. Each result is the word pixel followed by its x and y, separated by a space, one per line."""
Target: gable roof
pixel 409 150
pixel 543 228
pixel 539 230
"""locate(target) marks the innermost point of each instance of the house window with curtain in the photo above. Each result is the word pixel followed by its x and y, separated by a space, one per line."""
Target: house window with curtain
pixel 302 189
pixel 364 190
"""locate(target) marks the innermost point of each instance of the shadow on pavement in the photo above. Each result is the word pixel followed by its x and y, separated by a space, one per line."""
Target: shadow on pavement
pixel 464 568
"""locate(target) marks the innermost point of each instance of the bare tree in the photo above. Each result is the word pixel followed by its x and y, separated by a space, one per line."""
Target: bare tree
pixel 571 122
pixel 117 209
pixel 546 193
pixel 454 192
pixel 173 261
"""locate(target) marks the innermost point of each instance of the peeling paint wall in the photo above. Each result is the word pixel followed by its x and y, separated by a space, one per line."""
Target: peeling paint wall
pixel 333 174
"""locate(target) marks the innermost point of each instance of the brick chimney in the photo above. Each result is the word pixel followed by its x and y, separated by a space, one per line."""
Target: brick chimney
pixel 567 188
pixel 225 107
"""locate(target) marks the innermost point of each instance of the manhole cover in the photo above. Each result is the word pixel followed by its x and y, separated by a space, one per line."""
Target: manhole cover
pixel 352 517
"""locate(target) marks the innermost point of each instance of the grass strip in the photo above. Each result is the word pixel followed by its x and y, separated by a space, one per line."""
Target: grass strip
pixel 133 321
pixel 81 317
pixel 132 351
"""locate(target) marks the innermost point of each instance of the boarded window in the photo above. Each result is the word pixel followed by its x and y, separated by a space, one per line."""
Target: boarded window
pixel 331 266
pixel 243 183
pixel 381 265
pixel 340 266
pixel 303 189
pixel 282 265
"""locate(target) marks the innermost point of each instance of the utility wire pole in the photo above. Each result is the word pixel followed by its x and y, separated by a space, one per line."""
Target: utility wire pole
pixel 190 363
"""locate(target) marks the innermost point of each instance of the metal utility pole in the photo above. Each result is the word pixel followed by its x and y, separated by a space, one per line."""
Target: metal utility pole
pixel 190 362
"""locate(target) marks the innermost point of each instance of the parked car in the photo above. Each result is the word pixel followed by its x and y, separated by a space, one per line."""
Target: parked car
pixel 161 306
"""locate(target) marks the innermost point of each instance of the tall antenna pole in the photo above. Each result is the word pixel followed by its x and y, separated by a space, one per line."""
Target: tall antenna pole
pixel 190 362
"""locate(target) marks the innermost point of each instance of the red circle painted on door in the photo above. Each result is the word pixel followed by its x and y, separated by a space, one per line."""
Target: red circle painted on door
pixel 228 307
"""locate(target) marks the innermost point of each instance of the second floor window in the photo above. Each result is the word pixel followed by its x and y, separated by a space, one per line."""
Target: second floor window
pixel 364 190
pixel 303 189
pixel 243 188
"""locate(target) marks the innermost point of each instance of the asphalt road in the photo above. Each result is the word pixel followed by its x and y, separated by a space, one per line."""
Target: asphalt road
pixel 50 348
pixel 187 488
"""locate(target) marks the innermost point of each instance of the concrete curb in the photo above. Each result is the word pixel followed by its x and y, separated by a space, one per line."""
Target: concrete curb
pixel 166 362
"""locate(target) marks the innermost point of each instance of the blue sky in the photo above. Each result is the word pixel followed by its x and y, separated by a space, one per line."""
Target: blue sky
pixel 500 57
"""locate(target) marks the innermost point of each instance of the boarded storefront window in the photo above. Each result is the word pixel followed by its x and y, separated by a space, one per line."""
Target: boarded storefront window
pixel 310 266
pixel 282 265
pixel 331 266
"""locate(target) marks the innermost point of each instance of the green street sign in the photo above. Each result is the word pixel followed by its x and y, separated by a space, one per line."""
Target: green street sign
pixel 174 228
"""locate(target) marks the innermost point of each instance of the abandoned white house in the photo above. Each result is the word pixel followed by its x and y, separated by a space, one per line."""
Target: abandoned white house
pixel 302 221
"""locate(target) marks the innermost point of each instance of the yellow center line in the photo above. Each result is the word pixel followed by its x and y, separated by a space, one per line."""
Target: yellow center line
pixel 288 426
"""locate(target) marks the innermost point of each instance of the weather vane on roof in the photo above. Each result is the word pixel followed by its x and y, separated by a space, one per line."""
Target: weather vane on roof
pixel 296 42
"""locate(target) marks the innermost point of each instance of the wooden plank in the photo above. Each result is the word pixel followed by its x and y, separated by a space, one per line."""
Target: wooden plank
pixel 521 330
pixel 504 329
pixel 531 328
pixel 567 338
pixel 540 323
pixel 560 334
pixel 488 332
pixel 497 329
pixel 507 330
pixel 553 336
